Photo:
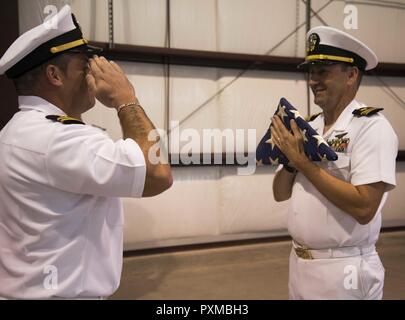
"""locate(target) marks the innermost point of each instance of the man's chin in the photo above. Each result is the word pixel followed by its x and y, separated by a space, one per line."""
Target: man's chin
pixel 317 101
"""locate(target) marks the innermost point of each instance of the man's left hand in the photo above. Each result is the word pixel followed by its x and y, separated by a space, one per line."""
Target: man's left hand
pixel 291 144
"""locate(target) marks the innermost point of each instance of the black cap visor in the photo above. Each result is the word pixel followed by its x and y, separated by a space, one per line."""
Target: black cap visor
pixel 86 49
pixel 306 64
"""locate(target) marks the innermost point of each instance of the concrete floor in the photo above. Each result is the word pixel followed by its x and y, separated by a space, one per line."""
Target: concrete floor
pixel 258 271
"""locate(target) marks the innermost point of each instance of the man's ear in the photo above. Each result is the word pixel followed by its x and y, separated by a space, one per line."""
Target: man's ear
pixel 54 75
pixel 353 74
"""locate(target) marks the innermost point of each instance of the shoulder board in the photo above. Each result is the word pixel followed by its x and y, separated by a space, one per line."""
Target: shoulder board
pixel 312 117
pixel 64 119
pixel 366 111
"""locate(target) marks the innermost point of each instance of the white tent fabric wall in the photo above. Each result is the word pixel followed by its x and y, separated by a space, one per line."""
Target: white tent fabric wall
pixel 251 100
pixel 373 93
pixel 194 24
pixel 140 22
pixel 247 103
pixel 214 203
pixel 394 208
pixel 253 26
pixel 92 15
pixel 205 205
pixel 256 26
pixel 187 211
pixel 238 26
pixel 190 88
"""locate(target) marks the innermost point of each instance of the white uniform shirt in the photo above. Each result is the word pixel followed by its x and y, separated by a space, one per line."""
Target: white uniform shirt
pixel 368 157
pixel 60 208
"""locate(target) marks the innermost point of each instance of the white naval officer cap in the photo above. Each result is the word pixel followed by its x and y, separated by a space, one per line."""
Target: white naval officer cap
pixel 43 43
pixel 326 45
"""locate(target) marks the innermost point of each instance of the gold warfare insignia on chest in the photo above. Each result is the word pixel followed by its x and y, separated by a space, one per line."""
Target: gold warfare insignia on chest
pixel 313 41
pixel 366 111
pixel 339 143
pixel 64 119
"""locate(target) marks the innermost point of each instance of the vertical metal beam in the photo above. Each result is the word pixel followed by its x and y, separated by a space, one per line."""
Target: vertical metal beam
pixel 308 27
pixel 167 76
pixel 168 24
pixel 111 24
pixel 308 14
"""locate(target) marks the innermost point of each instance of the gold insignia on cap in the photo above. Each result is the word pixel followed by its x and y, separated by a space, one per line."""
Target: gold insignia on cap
pixel 366 111
pixel 313 41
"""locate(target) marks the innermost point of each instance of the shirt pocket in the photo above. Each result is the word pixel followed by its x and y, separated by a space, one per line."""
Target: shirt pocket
pixel 341 167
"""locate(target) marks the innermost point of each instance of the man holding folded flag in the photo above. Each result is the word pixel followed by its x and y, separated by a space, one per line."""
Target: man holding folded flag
pixel 335 208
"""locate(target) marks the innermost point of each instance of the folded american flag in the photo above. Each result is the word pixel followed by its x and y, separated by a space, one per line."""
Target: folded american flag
pixel 315 146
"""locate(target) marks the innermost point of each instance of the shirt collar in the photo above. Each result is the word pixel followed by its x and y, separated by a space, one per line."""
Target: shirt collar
pixel 345 117
pixel 318 124
pixel 39 104
pixel 341 123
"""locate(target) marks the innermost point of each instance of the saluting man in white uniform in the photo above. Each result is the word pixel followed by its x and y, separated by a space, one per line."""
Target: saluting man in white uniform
pixel 335 207
pixel 61 217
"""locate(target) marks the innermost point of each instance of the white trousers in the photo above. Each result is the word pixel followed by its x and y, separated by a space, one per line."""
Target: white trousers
pixel 350 278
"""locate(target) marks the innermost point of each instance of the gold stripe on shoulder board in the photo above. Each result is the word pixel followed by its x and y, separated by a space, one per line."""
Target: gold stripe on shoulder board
pixel 366 111
pixel 64 119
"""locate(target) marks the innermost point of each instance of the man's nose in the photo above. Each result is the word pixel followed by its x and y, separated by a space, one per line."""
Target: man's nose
pixel 312 80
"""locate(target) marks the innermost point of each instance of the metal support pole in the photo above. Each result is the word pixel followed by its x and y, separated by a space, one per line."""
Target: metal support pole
pixel 308 27
pixel 167 77
pixel 110 24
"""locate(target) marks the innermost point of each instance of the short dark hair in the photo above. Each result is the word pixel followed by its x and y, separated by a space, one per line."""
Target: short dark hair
pixel 361 73
pixel 26 83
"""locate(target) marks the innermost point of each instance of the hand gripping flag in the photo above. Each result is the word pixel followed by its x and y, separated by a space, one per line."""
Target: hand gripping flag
pixel 315 146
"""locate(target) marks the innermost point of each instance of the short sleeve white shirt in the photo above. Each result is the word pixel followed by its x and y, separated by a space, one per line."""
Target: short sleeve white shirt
pixel 367 148
pixel 61 219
